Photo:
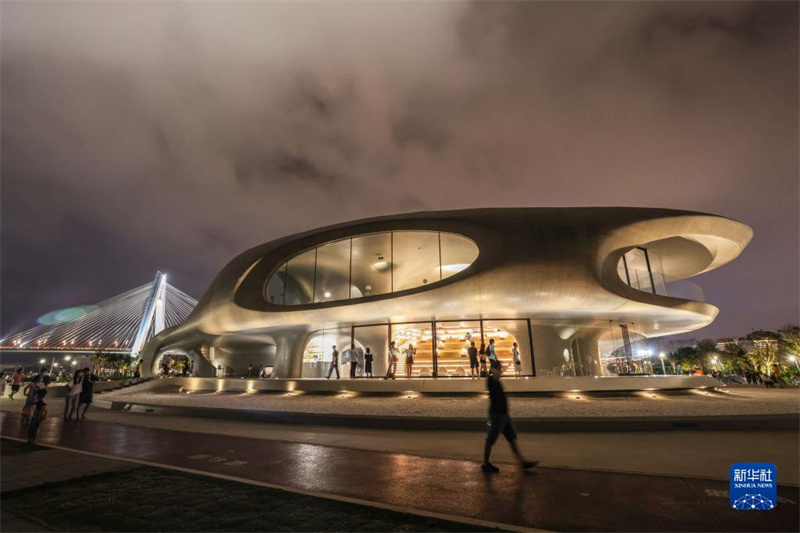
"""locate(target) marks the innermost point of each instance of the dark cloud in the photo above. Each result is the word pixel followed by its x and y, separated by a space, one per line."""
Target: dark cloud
pixel 146 136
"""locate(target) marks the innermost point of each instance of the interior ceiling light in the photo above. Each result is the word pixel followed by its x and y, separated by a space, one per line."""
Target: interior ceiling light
pixel 381 266
pixel 455 267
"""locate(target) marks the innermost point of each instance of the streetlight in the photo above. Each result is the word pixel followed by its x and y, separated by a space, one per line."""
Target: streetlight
pixel 663 367
pixel 793 359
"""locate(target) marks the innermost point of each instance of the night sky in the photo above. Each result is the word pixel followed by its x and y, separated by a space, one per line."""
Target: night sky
pixel 140 136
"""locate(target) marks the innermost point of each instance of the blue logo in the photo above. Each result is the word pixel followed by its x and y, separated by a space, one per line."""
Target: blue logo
pixel 753 486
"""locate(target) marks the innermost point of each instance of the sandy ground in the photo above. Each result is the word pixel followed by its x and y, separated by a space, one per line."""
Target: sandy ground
pixel 734 401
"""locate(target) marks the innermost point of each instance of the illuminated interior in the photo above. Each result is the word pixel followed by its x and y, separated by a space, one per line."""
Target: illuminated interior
pixel 369 265
pixel 452 341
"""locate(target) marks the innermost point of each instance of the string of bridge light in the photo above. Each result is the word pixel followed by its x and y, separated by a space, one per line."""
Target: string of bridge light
pixel 112 324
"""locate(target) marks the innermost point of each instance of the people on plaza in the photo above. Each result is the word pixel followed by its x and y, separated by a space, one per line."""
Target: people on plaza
pixel 392 361
pixel 85 397
pixel 368 358
pixel 500 422
pixel 334 363
pixel 472 351
pixel 38 415
pixel 39 382
pixel 776 376
pixel 16 382
pixel 353 354
pixel 74 388
pixel 517 359
pixel 250 370
pixel 30 399
pixel 410 353
pixel 482 356
pixel 137 370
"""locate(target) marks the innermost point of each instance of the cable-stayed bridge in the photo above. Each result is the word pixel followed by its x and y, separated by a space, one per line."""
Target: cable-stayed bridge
pixel 123 323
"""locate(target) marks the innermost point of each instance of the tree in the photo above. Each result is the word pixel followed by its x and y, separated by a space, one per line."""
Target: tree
pixel 762 349
pixel 706 349
pixel 733 356
pixel 100 358
pixel 686 357
pixel 790 339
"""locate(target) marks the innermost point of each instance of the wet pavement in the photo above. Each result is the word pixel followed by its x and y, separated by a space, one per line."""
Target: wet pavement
pixel 545 498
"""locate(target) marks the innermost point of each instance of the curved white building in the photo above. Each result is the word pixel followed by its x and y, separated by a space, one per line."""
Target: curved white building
pixel 577 289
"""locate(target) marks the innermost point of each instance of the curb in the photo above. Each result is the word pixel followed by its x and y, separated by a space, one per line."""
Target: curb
pixel 789 422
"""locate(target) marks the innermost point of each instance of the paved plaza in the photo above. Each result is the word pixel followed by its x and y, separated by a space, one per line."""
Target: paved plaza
pixel 638 481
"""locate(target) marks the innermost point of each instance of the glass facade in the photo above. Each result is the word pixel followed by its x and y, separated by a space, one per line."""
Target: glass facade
pixel 332 280
pixel 371 271
pixel 457 254
pixel 276 288
pixel 453 340
pixel 437 349
pixel 318 352
pixel 374 339
pixel 419 337
pixel 643 270
pixel 368 265
pixel 506 333
pixel 416 259
pixel 299 278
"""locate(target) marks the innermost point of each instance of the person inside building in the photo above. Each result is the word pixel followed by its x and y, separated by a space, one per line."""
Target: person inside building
pixel 392 361
pixel 472 351
pixel 334 363
pixel 410 353
pixel 491 353
pixel 368 358
pixel 353 356
pixel 517 359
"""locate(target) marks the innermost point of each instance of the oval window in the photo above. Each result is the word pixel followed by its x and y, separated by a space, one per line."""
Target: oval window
pixel 369 265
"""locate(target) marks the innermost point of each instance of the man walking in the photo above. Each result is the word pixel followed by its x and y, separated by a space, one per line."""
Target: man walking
pixel 334 363
pixel 500 422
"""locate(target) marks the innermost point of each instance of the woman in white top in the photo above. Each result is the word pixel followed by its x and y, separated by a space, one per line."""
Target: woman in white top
pixel 74 388
pixel 517 360
pixel 392 366
pixel 410 352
